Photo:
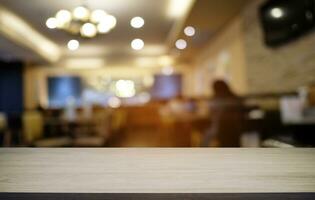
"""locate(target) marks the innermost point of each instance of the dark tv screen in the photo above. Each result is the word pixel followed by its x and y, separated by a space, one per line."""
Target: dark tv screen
pixel 286 20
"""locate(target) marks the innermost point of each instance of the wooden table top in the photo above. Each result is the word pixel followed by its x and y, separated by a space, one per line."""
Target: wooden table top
pixel 194 170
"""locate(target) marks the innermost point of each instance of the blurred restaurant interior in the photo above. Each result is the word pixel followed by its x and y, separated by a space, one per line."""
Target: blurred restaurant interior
pixel 166 73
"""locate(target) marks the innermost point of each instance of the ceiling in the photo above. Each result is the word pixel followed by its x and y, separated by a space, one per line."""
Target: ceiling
pixel 208 16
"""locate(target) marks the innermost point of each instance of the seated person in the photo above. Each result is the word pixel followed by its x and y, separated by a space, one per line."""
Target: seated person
pixel 227 117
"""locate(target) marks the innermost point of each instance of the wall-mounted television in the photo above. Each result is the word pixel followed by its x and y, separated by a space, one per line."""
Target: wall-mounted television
pixel 286 20
pixel 60 88
pixel 166 86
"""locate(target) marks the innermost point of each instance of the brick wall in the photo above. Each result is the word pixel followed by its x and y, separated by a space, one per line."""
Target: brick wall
pixel 275 70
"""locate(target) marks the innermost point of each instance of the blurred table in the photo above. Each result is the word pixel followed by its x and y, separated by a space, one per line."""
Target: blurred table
pixel 180 129
pixel 157 173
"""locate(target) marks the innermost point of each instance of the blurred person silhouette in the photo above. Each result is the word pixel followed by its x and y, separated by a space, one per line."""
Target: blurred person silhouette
pixel 227 113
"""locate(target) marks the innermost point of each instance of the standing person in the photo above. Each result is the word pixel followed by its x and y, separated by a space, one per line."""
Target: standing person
pixel 227 117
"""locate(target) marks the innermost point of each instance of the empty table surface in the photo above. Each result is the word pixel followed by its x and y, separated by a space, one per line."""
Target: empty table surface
pixel 125 170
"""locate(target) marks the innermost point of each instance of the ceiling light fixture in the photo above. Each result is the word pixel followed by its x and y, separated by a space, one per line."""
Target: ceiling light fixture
pixel 276 13
pixel 110 20
pixel 125 88
pixel 103 28
pixel 189 31
pixel 52 23
pixel 137 44
pixel 181 44
pixel 73 45
pixel 82 21
pixel 137 22
pixel 81 13
pixel 63 17
pixel 98 15
pixel 88 30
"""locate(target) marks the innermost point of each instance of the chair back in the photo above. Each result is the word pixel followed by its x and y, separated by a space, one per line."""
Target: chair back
pixel 33 126
pixel 3 121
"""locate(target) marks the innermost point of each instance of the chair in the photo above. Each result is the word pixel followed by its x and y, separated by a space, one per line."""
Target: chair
pixel 33 124
pixel 4 132
pixel 98 135
pixel 33 127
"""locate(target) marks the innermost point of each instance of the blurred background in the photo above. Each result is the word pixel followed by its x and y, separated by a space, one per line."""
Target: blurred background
pixel 166 73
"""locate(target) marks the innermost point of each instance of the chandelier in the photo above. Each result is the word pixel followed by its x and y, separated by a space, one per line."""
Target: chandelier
pixel 82 21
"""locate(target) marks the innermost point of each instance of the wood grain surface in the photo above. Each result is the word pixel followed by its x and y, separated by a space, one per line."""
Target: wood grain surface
pixel 157 196
pixel 194 170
